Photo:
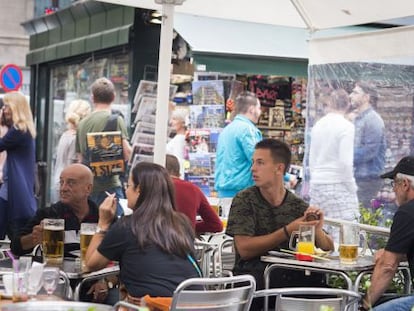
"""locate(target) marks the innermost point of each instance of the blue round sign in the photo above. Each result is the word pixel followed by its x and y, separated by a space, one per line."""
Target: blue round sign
pixel 11 77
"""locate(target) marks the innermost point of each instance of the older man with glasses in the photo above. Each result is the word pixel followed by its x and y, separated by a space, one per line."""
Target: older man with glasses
pixel 400 246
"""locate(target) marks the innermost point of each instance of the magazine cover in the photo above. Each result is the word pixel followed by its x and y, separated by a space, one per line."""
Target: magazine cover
pixel 208 92
pixel 105 153
pixel 277 117
pixel 147 107
pixel 149 88
pixel 146 139
pixel 141 158
pixel 199 140
pixel 264 117
pixel 200 164
pixel 207 116
pixel 141 149
pixel 205 183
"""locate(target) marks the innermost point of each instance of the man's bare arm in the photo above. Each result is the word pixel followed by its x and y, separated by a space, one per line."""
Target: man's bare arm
pixel 385 268
pixel 30 240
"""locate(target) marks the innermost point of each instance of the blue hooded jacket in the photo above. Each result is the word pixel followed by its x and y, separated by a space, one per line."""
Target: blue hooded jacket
pixel 235 150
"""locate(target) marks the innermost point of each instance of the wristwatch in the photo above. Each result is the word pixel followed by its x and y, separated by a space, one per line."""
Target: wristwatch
pixel 100 230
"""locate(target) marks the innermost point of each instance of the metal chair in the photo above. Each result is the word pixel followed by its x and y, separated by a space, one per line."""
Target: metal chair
pixel 287 298
pixel 226 257
pixel 205 255
pixel 226 294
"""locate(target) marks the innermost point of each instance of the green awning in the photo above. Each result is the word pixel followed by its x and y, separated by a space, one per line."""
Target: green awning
pixel 106 39
pixel 242 64
pixel 84 27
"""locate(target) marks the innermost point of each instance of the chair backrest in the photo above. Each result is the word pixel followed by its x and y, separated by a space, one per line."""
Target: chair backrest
pixel 205 253
pixel 215 294
pixel 310 299
pixel 227 256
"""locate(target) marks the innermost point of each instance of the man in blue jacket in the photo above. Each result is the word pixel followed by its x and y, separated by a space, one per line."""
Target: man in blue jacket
pixel 235 150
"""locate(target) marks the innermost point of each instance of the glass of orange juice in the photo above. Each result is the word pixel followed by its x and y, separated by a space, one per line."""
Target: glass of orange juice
pixel 305 240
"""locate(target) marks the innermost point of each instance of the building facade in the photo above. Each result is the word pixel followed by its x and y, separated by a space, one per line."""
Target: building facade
pixel 14 41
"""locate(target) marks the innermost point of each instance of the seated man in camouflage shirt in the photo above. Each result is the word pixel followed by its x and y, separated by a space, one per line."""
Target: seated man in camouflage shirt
pixel 262 218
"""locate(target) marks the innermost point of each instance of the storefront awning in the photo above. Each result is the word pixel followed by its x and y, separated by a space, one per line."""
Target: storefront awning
pixel 84 27
pixel 250 48
pixel 242 47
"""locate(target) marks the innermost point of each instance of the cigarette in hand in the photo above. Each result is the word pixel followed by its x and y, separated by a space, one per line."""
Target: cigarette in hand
pixel 108 194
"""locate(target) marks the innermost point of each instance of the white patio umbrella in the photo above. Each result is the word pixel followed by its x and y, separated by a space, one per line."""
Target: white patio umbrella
pixel 314 15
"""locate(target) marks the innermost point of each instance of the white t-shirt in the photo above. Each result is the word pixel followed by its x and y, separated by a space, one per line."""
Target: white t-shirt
pixel 176 147
pixel 331 154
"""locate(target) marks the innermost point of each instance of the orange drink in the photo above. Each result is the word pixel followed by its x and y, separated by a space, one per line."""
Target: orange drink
pixel 306 247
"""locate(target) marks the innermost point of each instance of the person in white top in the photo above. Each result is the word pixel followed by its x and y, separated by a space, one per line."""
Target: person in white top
pixel 332 183
pixel 177 145
pixel 65 151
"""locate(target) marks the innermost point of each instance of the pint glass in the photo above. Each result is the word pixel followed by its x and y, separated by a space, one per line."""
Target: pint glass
pixel 86 233
pixel 53 241
pixel 350 239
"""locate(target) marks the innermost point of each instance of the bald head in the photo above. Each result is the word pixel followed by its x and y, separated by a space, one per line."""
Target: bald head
pixel 79 170
pixel 76 181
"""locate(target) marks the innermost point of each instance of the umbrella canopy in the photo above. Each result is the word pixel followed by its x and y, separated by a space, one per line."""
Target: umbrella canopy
pixel 321 14
pixel 314 15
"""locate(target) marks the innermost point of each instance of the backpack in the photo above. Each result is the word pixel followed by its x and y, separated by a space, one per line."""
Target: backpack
pixel 105 154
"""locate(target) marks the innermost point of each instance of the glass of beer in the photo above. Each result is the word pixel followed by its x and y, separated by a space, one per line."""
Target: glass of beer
pixel 53 241
pixel 350 238
pixel 86 233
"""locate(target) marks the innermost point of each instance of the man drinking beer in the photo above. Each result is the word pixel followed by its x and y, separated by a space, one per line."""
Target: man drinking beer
pixel 74 207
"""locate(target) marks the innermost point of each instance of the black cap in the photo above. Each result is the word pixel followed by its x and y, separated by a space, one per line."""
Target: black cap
pixel 405 166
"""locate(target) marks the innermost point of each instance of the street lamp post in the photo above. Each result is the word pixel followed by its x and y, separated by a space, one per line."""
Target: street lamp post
pixel 164 68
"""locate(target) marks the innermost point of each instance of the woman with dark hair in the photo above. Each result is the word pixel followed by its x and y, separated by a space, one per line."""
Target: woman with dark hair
pixel 154 245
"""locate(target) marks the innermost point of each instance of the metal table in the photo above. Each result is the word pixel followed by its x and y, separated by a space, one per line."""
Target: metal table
pixel 73 272
pixel 70 271
pixel 333 266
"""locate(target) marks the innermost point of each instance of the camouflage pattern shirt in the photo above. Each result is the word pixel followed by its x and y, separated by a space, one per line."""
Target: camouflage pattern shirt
pixel 252 215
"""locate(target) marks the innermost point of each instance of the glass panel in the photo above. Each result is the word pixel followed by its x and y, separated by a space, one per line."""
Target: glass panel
pixel 72 81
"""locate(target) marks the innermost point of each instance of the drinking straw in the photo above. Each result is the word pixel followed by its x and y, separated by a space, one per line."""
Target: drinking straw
pixel 10 254
pixel 13 259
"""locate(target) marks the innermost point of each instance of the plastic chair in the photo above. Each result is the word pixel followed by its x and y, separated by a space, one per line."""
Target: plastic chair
pixel 226 294
pixel 337 299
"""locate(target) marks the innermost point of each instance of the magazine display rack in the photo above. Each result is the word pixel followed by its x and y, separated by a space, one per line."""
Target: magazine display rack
pixel 145 107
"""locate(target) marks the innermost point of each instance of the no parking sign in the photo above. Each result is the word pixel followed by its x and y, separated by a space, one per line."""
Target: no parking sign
pixel 11 77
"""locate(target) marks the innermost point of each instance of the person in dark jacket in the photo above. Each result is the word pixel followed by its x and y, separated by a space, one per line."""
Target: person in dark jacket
pixel 17 199
pixel 76 182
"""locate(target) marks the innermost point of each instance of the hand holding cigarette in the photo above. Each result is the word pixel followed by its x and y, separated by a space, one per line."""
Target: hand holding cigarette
pixel 107 210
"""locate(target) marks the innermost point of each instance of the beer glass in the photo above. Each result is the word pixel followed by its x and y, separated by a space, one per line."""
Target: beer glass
pixel 53 241
pixel 86 233
pixel 350 238
pixel 305 240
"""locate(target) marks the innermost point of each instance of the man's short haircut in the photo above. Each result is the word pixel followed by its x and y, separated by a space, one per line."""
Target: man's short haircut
pixel 172 165
pixel 279 150
pixel 340 100
pixel 244 101
pixel 103 91
pixel 369 89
